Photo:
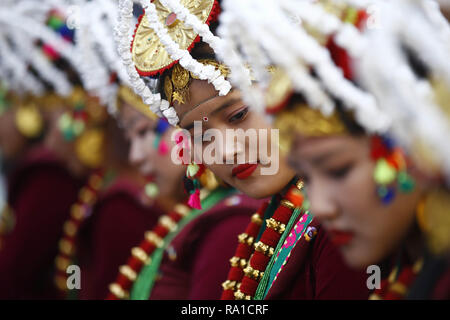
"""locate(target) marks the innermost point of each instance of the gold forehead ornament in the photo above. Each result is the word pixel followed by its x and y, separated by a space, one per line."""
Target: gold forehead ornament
pixel 176 83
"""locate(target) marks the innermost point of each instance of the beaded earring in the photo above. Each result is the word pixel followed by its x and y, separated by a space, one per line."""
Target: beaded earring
pixel 159 144
pixel 151 190
pixel 192 184
pixel 390 171
pixel 72 123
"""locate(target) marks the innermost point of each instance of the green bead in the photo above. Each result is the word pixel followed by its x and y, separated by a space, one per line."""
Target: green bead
pixel 157 141
pixel 79 106
pixel 192 169
pixel 151 190
pixel 351 16
pixel 406 182
pixel 197 184
pixel 68 135
pixel 384 174
pixel 65 122
pixel 382 191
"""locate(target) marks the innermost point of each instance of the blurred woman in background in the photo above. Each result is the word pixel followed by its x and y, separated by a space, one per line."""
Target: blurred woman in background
pixel 345 104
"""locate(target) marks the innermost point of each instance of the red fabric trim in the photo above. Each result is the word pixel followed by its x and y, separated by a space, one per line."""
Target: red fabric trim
pixel 253 229
pixel 134 263
pixel 270 237
pixel 123 281
pixel 282 214
pixel 161 231
pixel 243 251
pixel 148 246
pixel 236 274
pixel 259 261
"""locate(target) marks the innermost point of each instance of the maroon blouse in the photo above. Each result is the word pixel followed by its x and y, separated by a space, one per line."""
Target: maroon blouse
pixel 317 271
pixel 40 192
pixel 116 225
pixel 197 261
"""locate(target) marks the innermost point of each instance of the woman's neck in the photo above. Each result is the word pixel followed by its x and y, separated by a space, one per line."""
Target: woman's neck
pixel 292 181
pixel 176 196
pixel 169 202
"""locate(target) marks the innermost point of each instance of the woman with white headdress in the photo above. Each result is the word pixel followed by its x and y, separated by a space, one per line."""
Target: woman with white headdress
pixel 40 188
pixel 361 99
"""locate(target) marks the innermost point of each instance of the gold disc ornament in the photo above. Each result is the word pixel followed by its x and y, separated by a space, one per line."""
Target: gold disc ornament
pixel 89 147
pixel 149 54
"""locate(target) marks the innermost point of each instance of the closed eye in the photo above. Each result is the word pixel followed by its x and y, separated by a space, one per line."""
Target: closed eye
pixel 142 132
pixel 341 172
pixel 239 116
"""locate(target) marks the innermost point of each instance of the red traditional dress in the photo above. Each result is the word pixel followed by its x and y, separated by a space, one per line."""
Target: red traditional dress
pixel 118 221
pixel 191 261
pixel 40 193
pixel 316 270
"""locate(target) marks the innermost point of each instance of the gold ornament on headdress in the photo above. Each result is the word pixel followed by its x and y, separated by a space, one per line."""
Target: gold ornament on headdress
pixel 179 82
pixel 149 54
pixel 50 102
pixel 90 144
pixel 441 95
pixel 89 147
pixel 97 114
pixel 176 84
pixel 78 95
pixel 280 88
pixel 299 117
pixel 308 122
pixel 129 97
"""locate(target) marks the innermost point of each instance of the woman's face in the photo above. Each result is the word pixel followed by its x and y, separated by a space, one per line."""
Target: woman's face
pixel 149 159
pixel 338 173
pixel 249 167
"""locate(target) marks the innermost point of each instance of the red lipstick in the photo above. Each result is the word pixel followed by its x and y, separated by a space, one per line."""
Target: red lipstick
pixel 243 171
pixel 340 238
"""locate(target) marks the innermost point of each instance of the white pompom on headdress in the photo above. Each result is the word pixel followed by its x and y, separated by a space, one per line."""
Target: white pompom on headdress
pixel 96 50
pixel 23 22
pixel 274 30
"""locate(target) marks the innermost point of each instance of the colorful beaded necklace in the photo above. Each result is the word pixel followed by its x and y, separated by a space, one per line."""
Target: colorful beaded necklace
pixel 135 279
pixel 252 257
